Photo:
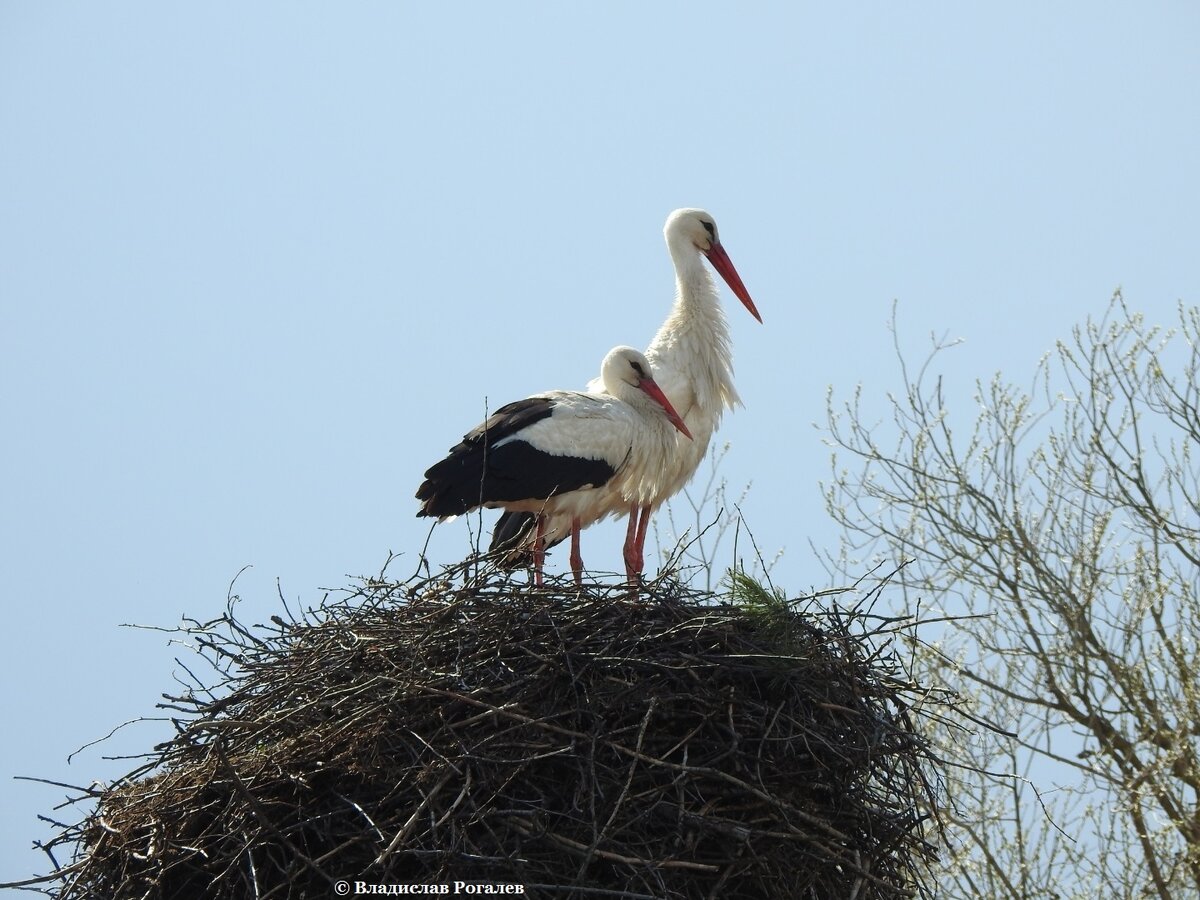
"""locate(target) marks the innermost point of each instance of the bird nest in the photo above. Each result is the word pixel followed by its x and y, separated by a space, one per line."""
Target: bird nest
pixel 466 729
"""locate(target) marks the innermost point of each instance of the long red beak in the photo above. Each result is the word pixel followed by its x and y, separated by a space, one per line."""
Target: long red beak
pixel 650 386
pixel 724 265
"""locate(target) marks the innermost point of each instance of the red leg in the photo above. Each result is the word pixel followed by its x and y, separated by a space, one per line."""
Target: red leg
pixel 643 524
pixel 576 559
pixel 631 567
pixel 539 550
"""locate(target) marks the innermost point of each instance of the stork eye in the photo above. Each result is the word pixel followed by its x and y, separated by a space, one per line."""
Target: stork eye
pixel 712 231
pixel 637 367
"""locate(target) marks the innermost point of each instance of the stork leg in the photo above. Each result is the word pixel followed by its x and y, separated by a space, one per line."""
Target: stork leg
pixel 576 559
pixel 539 550
pixel 643 523
pixel 633 566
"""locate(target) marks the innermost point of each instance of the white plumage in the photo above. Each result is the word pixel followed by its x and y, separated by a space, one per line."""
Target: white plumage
pixel 692 354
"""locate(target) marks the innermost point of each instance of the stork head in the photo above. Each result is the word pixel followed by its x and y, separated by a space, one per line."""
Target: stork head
pixel 697 228
pixel 624 369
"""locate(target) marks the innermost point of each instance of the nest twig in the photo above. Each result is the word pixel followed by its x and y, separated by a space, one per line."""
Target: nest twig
pixel 469 728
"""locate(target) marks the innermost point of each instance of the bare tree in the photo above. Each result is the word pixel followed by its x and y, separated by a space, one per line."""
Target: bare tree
pixel 1064 533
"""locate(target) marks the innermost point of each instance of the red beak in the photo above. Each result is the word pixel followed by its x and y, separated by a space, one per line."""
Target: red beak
pixel 724 265
pixel 650 386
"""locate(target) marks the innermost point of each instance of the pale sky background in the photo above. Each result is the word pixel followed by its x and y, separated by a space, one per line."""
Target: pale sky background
pixel 263 263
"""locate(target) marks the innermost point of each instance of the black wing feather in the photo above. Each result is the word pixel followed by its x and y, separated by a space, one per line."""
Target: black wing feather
pixel 476 472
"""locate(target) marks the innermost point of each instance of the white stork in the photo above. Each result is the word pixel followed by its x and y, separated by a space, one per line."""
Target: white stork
pixel 555 455
pixel 693 362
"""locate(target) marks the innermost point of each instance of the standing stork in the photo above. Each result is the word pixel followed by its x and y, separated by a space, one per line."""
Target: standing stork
pixel 556 455
pixel 692 358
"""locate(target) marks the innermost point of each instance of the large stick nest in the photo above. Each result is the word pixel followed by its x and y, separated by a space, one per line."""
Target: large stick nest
pixel 469 728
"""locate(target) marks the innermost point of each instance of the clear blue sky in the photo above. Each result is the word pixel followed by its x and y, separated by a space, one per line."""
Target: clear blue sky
pixel 261 264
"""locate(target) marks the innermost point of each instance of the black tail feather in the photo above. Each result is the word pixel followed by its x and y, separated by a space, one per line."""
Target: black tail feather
pixel 512 540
